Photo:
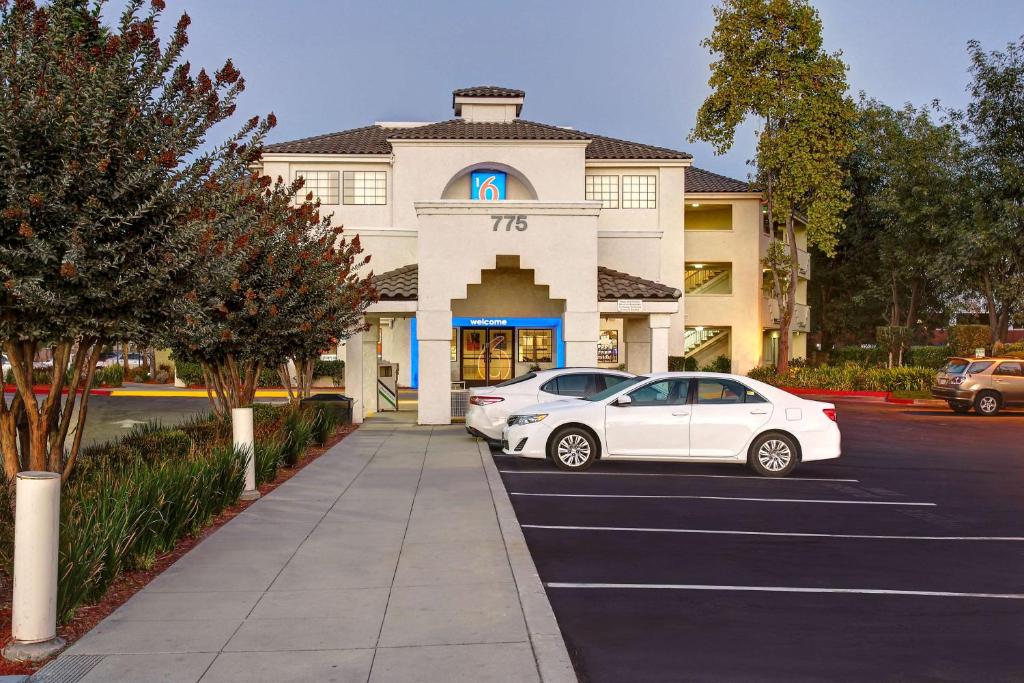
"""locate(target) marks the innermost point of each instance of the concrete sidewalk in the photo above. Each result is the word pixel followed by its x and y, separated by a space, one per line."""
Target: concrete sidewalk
pixel 396 556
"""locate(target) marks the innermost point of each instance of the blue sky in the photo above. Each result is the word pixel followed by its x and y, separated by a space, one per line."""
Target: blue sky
pixel 630 68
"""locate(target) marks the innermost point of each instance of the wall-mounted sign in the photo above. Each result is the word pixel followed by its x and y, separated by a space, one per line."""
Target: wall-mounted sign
pixel 487 186
pixel 629 305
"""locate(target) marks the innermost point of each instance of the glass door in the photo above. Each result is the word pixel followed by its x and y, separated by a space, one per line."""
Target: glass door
pixel 487 355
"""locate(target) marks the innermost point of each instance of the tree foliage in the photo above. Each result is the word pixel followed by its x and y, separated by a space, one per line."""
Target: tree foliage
pixel 101 209
pixel 294 289
pixel 771 66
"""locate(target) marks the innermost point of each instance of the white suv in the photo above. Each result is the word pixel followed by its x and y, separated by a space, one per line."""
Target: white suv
pixel 489 407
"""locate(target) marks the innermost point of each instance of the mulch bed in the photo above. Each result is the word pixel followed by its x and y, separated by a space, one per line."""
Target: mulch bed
pixel 130 583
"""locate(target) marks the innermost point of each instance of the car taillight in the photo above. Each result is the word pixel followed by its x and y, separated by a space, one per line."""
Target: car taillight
pixel 485 400
pixel 830 413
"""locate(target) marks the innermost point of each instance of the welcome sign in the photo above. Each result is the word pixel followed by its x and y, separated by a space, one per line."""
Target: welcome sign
pixel 487 186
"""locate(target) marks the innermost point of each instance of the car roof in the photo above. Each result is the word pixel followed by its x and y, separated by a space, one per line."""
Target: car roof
pixel 576 370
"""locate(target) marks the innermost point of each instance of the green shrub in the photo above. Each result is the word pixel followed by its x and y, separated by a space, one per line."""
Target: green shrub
pixel 862 356
pixel 298 432
pixel 110 376
pixel 928 356
pixel 719 364
pixel 965 339
pixel 849 377
pixel 269 377
pixel 335 369
pixel 325 423
pixel 676 363
pixel 189 373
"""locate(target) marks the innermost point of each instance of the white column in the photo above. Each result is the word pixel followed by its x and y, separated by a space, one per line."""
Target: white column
pixel 370 367
pixel 637 333
pixel 354 375
pixel 434 336
pixel 659 324
pixel 36 540
pixel 242 438
pixel 580 332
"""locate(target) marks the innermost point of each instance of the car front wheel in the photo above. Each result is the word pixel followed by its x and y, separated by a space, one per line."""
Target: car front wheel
pixel 773 455
pixel 573 449
pixel 987 403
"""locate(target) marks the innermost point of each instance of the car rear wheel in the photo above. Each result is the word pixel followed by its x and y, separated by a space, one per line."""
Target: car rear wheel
pixel 773 455
pixel 958 407
pixel 987 403
pixel 573 449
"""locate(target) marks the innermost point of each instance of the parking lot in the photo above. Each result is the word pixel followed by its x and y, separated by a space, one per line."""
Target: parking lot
pixel 902 561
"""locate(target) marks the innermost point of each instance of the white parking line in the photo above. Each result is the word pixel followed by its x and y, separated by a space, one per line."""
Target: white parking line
pixel 656 474
pixel 784 589
pixel 730 532
pixel 756 500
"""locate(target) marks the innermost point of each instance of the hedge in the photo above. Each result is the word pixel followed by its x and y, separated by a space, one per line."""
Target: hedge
pixel 130 500
pixel 849 377
pixel 192 374
pixel 965 339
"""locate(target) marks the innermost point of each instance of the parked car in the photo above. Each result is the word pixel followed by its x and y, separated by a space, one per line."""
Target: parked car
pixel 135 360
pixel 679 416
pixel 46 364
pixel 5 365
pixel 489 407
pixel 986 384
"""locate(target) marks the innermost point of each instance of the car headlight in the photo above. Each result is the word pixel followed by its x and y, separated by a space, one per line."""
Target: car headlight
pixel 525 419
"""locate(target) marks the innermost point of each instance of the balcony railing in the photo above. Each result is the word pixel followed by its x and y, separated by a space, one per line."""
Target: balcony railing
pixel 801 316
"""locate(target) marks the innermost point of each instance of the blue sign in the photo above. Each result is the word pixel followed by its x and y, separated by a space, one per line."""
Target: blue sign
pixel 487 186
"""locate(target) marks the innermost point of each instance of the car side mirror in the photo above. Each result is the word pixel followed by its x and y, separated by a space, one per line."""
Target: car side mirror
pixel 623 401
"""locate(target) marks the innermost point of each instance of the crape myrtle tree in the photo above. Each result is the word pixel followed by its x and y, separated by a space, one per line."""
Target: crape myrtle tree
pixel 101 208
pixel 770 65
pixel 294 289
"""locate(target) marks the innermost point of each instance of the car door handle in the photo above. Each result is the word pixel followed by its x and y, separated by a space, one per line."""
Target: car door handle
pixel 758 412
pixel 683 414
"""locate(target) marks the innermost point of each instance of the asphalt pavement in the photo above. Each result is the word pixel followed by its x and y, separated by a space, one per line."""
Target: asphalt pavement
pixel 901 561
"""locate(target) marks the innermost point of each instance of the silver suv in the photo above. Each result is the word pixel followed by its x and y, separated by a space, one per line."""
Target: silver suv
pixel 986 384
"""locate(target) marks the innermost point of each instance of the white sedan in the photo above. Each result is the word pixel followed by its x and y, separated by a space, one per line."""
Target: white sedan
pixel 679 416
pixel 489 407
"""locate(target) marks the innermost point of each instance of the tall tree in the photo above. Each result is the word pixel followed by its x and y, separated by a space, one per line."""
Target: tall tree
pixel 994 122
pixel 293 288
pixel 101 129
pixel 770 65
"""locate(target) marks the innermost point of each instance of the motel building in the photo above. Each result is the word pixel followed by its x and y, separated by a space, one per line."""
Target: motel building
pixel 500 244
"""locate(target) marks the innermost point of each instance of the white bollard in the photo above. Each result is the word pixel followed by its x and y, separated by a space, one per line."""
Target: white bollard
pixel 242 433
pixel 36 541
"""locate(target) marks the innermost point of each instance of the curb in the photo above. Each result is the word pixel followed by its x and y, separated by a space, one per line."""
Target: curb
pixel 886 396
pixel 546 640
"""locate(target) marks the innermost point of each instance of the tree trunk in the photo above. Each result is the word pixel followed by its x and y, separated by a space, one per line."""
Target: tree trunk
pixel 787 298
pixel 993 309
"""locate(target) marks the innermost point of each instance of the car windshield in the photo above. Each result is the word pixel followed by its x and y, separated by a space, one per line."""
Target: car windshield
pixel 955 366
pixel 614 389
pixel 517 380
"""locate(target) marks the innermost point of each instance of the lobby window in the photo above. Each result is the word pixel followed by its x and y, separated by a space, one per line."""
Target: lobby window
pixel 366 187
pixel 639 192
pixel 534 346
pixel 604 189
pixel 708 278
pixel 323 185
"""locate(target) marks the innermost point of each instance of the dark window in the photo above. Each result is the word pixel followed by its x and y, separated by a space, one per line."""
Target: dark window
pixel 720 392
pixel 577 384
pixel 1011 369
pixel 979 366
pixel 667 392
pixel 608 381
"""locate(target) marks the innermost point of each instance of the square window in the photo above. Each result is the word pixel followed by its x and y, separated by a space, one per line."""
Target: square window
pixel 603 188
pixel 639 191
pixel 323 185
pixel 534 346
pixel 365 187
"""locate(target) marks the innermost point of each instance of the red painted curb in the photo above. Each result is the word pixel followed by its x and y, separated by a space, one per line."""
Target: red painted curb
pixel 836 392
pixel 44 389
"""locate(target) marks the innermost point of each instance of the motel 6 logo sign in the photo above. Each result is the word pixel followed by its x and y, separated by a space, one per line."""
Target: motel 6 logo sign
pixel 488 186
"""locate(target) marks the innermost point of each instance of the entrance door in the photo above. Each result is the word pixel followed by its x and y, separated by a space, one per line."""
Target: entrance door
pixel 487 355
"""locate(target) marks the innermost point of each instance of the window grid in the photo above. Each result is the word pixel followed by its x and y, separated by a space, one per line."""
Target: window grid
pixel 366 187
pixel 323 185
pixel 534 346
pixel 639 191
pixel 603 188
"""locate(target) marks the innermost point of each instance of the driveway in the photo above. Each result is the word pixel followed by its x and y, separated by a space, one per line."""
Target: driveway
pixel 901 561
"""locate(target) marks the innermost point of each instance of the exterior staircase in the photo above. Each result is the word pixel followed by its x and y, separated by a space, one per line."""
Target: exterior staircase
pixel 699 339
pixel 700 280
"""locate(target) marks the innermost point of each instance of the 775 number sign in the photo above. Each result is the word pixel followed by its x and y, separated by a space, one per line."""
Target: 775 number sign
pixel 516 221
